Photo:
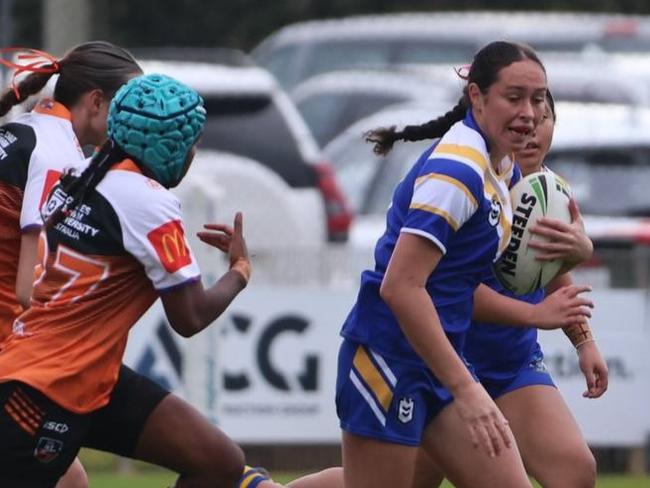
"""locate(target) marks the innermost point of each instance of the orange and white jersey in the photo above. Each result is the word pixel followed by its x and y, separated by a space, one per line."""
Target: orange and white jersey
pixel 103 266
pixel 35 148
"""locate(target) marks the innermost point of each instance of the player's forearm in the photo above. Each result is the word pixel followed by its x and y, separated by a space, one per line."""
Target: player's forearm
pixel 491 306
pixel 419 321
pixel 578 333
pixel 218 297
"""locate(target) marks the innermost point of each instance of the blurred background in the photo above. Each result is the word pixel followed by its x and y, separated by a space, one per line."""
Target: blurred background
pixel 290 87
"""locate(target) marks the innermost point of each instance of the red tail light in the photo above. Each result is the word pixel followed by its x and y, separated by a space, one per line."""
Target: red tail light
pixel 339 216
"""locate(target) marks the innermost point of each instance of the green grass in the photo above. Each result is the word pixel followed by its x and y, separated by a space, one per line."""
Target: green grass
pixel 162 479
pixel 103 473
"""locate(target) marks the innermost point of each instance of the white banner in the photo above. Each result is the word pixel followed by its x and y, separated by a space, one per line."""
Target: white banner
pixel 266 372
pixel 278 364
pixel 621 417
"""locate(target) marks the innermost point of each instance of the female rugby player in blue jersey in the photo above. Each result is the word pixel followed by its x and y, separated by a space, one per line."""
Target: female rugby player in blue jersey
pixel 558 310
pixel 509 362
pixel 402 380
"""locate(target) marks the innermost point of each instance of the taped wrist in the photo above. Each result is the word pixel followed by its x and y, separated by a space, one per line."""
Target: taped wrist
pixel 243 267
pixel 579 334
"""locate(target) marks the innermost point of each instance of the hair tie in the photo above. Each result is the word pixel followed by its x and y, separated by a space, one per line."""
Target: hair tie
pixel 41 62
pixel 463 71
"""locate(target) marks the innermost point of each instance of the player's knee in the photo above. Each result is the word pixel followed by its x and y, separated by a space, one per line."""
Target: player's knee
pixel 586 469
pixel 580 469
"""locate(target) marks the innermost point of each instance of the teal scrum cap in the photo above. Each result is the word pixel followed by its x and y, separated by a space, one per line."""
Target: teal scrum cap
pixel 156 120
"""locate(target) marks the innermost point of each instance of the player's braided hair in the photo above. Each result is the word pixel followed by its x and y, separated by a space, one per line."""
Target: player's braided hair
pixel 484 71
pixel 88 66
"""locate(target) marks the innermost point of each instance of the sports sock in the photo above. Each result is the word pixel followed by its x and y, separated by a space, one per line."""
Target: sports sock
pixel 252 477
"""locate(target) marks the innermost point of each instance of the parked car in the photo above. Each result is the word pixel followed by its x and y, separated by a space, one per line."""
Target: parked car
pixel 330 102
pixel 249 115
pixel 603 150
pixel 299 51
pixel 277 217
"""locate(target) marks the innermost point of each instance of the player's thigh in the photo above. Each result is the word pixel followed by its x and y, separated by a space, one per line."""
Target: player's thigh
pixel 180 438
pixel 372 463
pixel 547 434
pixel 74 477
pixel 427 474
pixel 446 439
pixel 117 426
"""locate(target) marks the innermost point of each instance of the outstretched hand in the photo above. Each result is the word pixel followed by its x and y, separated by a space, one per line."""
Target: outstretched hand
pixel 566 242
pixel 229 240
pixel 563 307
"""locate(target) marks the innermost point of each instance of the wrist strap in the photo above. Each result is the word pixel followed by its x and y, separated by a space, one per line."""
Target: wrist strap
pixel 243 267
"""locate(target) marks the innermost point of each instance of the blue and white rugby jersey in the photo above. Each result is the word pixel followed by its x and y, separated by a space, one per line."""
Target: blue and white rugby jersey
pixel 454 198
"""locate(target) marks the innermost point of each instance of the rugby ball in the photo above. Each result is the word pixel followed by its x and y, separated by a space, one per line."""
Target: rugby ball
pixel 541 194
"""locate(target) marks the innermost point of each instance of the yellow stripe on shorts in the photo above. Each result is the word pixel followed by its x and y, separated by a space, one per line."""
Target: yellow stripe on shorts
pixel 373 378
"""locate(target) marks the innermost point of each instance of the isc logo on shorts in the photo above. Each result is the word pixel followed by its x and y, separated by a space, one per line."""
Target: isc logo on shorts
pixel 169 242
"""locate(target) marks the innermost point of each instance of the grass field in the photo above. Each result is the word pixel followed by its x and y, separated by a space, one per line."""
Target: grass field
pixel 159 479
pixel 103 474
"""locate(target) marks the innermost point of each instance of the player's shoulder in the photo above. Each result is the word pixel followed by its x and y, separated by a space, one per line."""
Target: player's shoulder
pixel 17 136
pixel 130 192
pixel 462 151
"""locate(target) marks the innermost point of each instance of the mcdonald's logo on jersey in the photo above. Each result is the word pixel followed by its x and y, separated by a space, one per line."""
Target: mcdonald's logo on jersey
pixel 169 242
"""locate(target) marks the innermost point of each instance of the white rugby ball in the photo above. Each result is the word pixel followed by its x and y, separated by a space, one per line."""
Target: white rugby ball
pixel 541 194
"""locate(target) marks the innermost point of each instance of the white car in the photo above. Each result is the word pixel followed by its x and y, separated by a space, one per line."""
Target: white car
pixel 330 102
pixel 249 115
pixel 299 51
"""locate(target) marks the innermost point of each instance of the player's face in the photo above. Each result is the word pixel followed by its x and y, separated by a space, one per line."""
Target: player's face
pixel 531 158
pixel 512 107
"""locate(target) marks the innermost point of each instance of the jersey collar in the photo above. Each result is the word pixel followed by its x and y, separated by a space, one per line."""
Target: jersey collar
pixel 127 165
pixel 470 122
pixel 48 106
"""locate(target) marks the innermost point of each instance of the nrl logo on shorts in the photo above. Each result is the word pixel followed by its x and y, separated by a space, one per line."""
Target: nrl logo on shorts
pixel 47 450
pixel 405 410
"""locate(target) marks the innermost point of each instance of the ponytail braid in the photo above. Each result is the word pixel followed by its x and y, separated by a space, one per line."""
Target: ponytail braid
pixel 71 190
pixel 384 138
pixel 31 85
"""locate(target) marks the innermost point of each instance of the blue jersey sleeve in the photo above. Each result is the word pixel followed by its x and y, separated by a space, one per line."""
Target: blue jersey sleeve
pixel 447 192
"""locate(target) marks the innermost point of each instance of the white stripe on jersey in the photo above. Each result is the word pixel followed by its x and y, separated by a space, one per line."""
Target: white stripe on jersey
pixel 449 199
pixel 426 235
pixel 462 154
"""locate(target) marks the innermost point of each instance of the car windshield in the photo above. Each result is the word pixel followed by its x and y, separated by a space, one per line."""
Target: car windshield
pixel 253 126
pixel 620 174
